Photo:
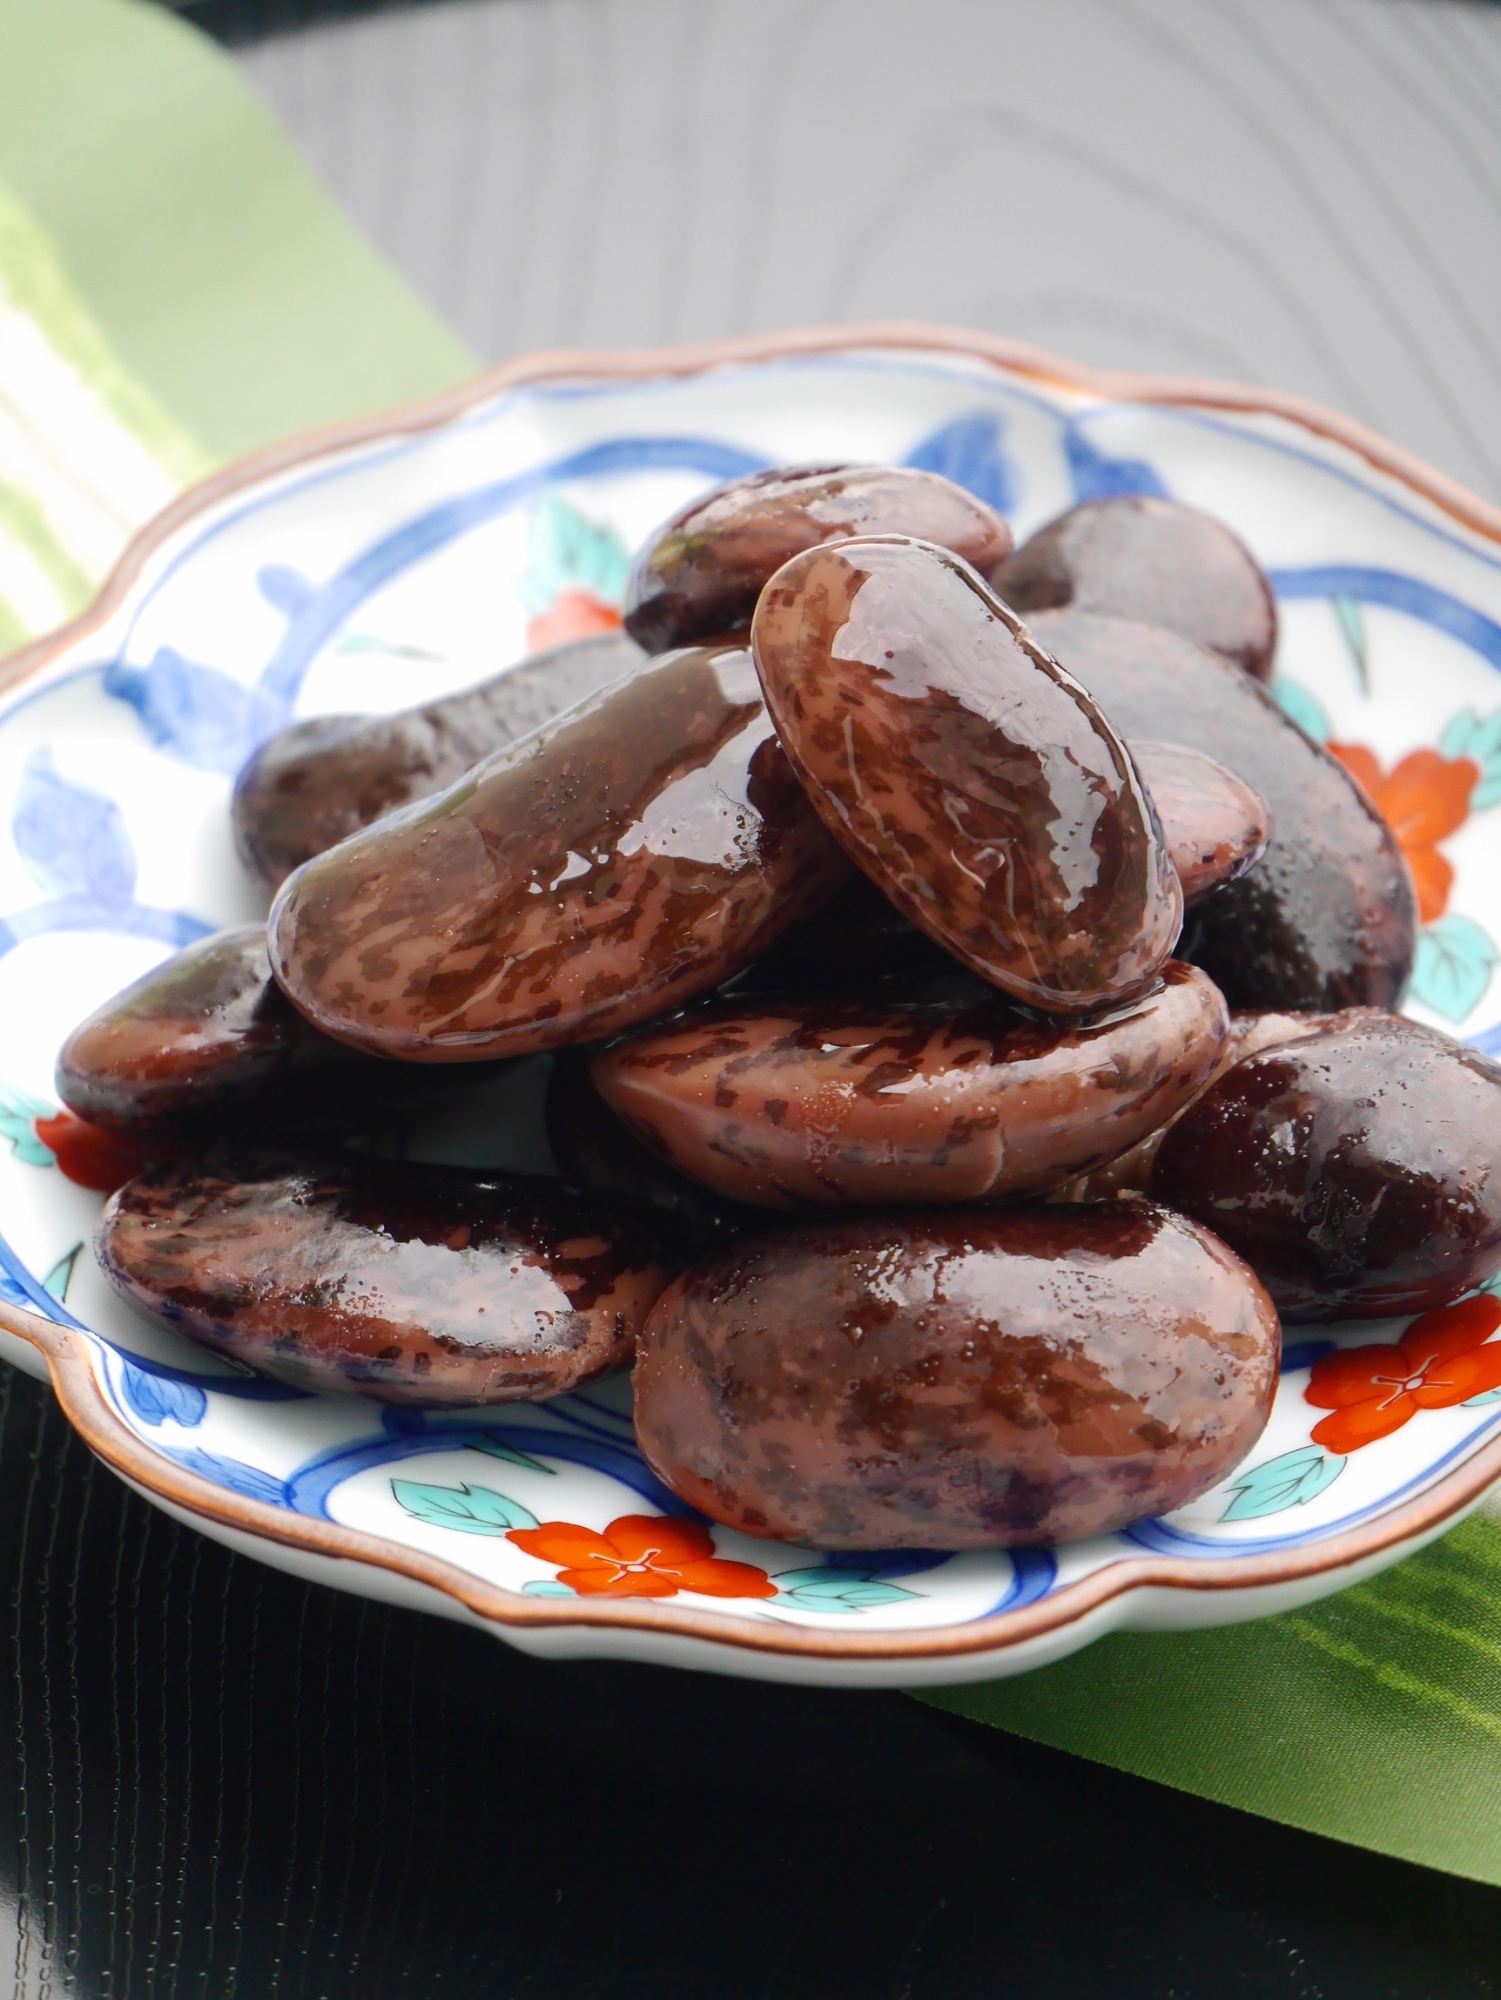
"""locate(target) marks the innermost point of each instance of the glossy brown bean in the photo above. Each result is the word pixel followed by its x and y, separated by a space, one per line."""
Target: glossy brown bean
pixel 319 781
pixel 208 1039
pixel 702 572
pixel 1154 560
pixel 1327 917
pixel 598 1152
pixel 859 942
pixel 635 852
pixel 1216 828
pixel 823 1103
pixel 967 1378
pixel 408 1283
pixel 973 781
pixel 1357 1169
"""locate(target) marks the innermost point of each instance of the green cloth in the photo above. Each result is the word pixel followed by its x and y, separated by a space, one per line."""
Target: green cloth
pixel 199 295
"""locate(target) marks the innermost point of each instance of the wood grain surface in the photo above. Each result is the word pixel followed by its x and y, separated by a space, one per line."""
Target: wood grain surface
pixel 216 1782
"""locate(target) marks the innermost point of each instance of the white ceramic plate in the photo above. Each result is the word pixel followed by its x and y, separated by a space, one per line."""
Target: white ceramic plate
pixel 389 562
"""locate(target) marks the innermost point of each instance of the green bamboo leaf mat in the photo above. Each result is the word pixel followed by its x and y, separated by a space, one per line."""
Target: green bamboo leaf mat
pixel 176 288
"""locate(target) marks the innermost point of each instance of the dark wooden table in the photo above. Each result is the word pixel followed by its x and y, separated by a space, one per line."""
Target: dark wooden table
pixel 222 1783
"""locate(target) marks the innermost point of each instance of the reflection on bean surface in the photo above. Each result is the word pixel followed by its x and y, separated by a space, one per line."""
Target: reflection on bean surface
pixel 965 1378
pixel 209 1038
pixel 701 574
pixel 1154 560
pixel 1216 828
pixel 969 777
pixel 635 852
pixel 822 1103
pixel 1327 918
pixel 412 1284
pixel 1358 1169
pixel 318 782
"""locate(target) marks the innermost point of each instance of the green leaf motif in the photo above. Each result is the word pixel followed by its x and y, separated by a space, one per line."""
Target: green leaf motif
pixel 1479 740
pixel 472 1510
pixel 1289 1481
pixel 1295 701
pixel 493 1448
pixel 1452 966
pixel 60 1276
pixel 838 1589
pixel 18 1113
pixel 546 1586
pixel 568 551
pixel 1352 631
pixel 1479 1402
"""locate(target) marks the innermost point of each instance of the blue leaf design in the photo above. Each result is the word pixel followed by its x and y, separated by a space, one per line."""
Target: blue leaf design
pixel 1468 736
pixel 1351 622
pixel 73 842
pixel 285 589
pixel 825 1589
pixel 18 1115
pixel 195 712
pixel 1303 1353
pixel 493 1448
pixel 1295 701
pixel 473 1510
pixel 1479 1402
pixel 546 1586
pixel 568 551
pixel 1291 1480
pixel 60 1276
pixel 155 1397
pixel 969 451
pixel 232 1473
pixel 1452 966
pixel 1097 477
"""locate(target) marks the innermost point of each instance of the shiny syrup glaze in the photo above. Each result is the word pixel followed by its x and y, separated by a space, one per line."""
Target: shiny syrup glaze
pixel 1216 827
pixel 701 573
pixel 826 1103
pixel 1327 918
pixel 316 783
pixel 635 852
pixel 1153 560
pixel 599 1153
pixel 1357 1169
pixel 209 1039
pixel 411 1284
pixel 966 774
pixel 963 1378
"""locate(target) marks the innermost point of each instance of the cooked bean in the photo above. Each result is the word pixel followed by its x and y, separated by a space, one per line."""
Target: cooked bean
pixel 1216 828
pixel 820 1103
pixel 1327 918
pixel 598 1152
pixel 1156 560
pixel 700 575
pixel 320 781
pixel 635 852
pixel 209 1038
pixel 974 782
pixel 968 1378
pixel 1357 1169
pixel 413 1284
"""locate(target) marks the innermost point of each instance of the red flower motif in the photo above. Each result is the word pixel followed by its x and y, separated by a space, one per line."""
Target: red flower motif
pixel 86 1154
pixel 1422 799
pixel 573 614
pixel 1441 1360
pixel 641 1555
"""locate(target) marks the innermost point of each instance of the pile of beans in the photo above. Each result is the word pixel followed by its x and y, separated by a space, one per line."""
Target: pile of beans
pixel 970 998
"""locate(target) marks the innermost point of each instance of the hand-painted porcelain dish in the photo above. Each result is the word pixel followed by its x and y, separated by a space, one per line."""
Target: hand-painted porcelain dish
pixel 371 566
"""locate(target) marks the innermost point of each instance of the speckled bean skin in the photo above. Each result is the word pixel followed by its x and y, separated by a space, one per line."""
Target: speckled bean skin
pixel 825 1103
pixel 957 1379
pixel 411 1284
pixel 208 1039
pixel 962 770
pixel 635 852
pixel 1216 827
pixel 700 575
pixel 1357 1169
pixel 1327 918
pixel 318 782
pixel 1154 560
pixel 598 1152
